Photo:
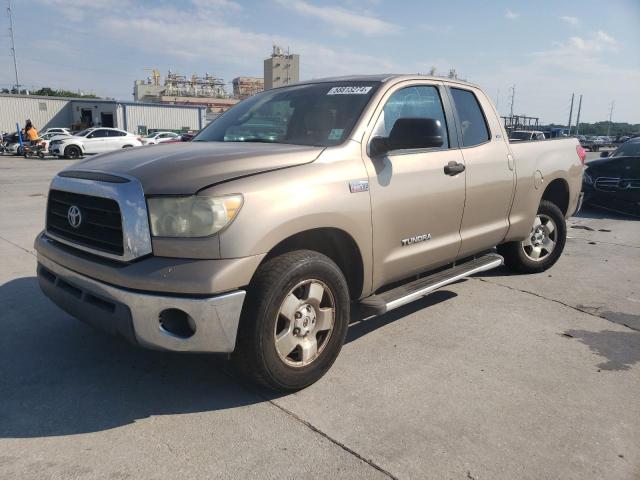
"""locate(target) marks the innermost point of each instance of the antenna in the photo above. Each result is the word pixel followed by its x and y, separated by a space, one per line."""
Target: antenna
pixel 13 45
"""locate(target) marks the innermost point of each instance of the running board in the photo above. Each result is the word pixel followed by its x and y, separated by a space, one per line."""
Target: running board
pixel 409 292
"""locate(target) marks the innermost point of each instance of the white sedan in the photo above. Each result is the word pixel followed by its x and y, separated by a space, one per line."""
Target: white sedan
pixel 92 141
pixel 159 137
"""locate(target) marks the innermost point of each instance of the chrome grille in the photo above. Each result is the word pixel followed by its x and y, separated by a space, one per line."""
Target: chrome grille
pixel 101 224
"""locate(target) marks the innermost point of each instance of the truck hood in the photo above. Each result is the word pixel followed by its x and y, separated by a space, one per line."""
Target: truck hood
pixel 186 168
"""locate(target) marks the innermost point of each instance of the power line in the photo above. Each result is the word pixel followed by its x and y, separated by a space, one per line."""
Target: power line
pixel 13 45
pixel 571 111
pixel 513 96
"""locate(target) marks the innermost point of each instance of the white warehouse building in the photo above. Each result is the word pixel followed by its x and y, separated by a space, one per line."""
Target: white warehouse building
pixel 77 113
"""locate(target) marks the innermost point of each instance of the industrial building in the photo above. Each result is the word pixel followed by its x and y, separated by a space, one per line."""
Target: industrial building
pixel 78 113
pixel 177 89
pixel 244 87
pixel 281 68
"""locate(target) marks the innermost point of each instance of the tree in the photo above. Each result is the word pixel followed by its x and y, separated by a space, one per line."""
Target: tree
pixel 49 92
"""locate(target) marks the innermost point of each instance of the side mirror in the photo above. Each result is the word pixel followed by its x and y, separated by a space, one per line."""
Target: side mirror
pixel 604 154
pixel 408 133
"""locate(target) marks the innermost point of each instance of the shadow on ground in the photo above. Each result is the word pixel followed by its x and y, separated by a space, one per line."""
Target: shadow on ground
pixel 59 376
pixel 621 349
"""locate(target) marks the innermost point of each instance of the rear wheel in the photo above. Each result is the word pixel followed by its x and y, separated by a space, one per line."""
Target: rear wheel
pixel 73 152
pixel 294 321
pixel 543 246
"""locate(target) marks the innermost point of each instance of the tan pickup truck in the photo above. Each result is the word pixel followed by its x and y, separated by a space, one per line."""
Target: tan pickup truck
pixel 299 210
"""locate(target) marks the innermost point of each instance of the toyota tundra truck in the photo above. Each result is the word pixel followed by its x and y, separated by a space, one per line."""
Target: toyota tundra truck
pixel 298 210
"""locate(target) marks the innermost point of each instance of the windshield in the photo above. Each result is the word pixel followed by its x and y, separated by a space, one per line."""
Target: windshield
pixel 83 133
pixel 520 136
pixel 320 114
pixel 151 135
pixel 629 149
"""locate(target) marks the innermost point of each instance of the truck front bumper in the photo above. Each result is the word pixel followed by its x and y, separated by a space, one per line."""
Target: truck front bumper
pixel 152 320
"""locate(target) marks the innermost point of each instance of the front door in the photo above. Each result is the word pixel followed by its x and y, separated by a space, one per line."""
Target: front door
pixel 416 206
pixel 95 142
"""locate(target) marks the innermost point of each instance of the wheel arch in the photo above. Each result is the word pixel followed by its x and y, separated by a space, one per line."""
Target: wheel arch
pixel 557 192
pixel 336 244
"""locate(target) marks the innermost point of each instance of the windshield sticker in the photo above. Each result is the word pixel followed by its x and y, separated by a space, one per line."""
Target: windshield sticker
pixel 349 90
pixel 336 134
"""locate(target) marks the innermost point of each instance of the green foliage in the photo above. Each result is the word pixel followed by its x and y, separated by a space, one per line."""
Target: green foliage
pixel 49 92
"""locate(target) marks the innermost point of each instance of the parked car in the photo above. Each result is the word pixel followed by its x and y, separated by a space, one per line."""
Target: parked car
pixel 526 135
pixel 377 191
pixel 159 137
pixel 62 131
pixel 591 143
pixel 613 181
pixel 92 141
pixel 10 143
pixel 48 137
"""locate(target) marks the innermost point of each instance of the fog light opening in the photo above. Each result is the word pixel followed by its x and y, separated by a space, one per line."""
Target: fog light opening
pixel 177 323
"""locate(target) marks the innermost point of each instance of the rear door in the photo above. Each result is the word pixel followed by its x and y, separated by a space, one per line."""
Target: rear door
pixel 490 176
pixel 416 206
pixel 115 140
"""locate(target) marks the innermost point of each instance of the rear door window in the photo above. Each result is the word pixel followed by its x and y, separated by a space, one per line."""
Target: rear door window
pixel 472 121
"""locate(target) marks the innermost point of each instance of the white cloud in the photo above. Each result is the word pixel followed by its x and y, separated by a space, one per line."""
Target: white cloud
pixel 344 20
pixel 573 21
pixel 599 42
pixel 511 15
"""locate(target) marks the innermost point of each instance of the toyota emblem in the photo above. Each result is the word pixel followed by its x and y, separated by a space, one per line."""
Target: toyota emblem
pixel 74 216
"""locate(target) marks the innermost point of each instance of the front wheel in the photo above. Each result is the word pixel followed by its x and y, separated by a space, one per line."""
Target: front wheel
pixel 294 321
pixel 542 247
pixel 72 152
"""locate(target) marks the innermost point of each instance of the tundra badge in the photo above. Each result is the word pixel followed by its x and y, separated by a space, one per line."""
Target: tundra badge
pixel 417 239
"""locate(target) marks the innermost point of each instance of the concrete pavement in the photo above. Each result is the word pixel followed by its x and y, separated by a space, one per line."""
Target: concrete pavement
pixel 500 376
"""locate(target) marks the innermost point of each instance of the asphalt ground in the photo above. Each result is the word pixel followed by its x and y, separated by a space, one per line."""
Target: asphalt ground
pixel 500 376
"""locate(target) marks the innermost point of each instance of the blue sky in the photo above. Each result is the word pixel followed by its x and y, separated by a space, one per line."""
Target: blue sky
pixel 548 49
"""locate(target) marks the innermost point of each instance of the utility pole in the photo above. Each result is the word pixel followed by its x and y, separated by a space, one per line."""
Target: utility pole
pixel 610 117
pixel 571 112
pixel 578 117
pixel 513 96
pixel 13 45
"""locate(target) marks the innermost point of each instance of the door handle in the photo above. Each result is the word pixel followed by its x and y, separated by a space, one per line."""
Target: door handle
pixel 453 168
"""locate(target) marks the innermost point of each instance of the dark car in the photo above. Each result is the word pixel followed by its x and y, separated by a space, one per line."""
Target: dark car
pixel 613 181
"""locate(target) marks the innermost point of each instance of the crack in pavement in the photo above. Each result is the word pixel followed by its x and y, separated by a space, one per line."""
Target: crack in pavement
pixel 554 300
pixel 229 374
pixel 17 246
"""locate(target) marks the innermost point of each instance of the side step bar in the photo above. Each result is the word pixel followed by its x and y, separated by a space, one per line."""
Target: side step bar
pixel 407 293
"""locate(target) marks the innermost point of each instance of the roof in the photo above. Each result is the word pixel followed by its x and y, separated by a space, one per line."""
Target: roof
pixel 97 100
pixel 385 77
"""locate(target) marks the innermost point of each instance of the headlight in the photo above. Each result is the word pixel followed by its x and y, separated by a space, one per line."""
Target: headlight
pixel 588 179
pixel 195 216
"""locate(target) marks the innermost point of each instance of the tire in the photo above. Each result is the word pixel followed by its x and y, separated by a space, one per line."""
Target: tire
pixel 72 152
pixel 547 238
pixel 280 309
pixel 40 155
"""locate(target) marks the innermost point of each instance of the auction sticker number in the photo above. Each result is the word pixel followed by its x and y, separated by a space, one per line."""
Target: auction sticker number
pixel 349 91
